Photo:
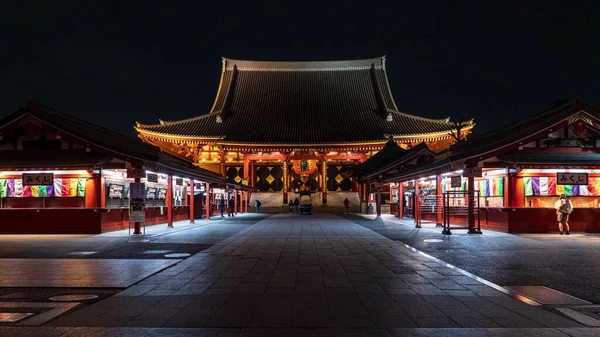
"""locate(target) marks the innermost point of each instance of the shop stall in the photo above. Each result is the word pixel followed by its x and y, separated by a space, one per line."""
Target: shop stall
pixel 60 174
pixel 515 175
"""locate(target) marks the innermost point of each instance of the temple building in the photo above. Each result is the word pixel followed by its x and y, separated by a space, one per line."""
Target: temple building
pixel 282 127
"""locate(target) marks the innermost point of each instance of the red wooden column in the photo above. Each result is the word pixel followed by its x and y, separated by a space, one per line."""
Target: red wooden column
pixel 509 189
pixel 235 202
pixel 400 200
pixel 252 175
pixel 192 201
pixel 378 201
pixel 207 191
pixel 438 199
pixel 169 201
pixel 416 208
pixel 246 166
pixel 137 226
pixel 471 203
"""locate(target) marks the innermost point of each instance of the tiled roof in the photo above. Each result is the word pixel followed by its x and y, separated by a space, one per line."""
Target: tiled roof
pixel 110 140
pixel 389 153
pixel 302 103
pixel 521 129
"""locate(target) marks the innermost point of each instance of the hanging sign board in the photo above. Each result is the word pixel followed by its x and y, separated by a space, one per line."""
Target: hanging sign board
pixel 152 177
pixel 179 181
pixel 199 187
pixel 472 172
pixel 137 202
pixel 136 173
pixel 455 181
pixel 38 179
pixel 563 178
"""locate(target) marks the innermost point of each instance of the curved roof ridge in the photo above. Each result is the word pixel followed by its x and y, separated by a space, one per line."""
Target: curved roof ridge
pixel 163 122
pixel 249 65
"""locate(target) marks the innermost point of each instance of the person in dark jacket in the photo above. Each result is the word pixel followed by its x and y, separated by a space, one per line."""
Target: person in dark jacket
pixel 291 207
pixel 222 206
pixel 231 207
pixel 296 204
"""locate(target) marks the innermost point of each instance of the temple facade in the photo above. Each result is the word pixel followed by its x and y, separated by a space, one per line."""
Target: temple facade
pixel 282 127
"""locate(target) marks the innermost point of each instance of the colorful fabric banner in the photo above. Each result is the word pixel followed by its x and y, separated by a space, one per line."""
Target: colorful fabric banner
pixel 547 186
pixel 57 187
pixel 13 188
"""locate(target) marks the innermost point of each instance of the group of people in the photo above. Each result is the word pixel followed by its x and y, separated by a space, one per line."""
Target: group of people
pixel 231 204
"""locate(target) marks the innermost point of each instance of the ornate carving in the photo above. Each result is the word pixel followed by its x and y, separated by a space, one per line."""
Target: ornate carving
pixel 580 116
pixel 459 164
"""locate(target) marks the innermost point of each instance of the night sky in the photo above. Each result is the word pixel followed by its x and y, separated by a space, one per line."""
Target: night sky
pixel 114 63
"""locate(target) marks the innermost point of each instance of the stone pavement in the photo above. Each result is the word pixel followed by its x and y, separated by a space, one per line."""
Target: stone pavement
pixel 287 273
pixel 110 273
pixel 565 263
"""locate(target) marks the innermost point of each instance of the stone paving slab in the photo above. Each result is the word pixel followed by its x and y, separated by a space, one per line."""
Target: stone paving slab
pixel 313 272
pixel 250 332
pixel 88 273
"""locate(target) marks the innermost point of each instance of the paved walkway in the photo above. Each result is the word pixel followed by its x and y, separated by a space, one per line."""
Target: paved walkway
pixel 569 264
pixel 324 271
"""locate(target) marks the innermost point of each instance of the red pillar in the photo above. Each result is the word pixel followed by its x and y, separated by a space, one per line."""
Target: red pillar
pixel 400 200
pixel 207 191
pixel 169 201
pixel 235 202
pixel 471 204
pixel 252 175
pixel 137 226
pixel 509 190
pixel 246 166
pixel 192 201
pixel 438 200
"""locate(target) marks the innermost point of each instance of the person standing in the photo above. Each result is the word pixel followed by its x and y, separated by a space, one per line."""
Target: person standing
pixel 563 207
pixel 296 204
pixel 346 206
pixel 222 206
pixel 231 207
pixel 291 207
pixel 257 204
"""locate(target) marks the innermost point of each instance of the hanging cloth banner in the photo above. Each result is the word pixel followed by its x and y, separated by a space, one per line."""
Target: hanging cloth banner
pixel 13 188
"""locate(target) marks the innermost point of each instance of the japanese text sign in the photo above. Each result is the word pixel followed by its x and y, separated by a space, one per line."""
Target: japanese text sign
pixel 563 178
pixel 38 179
pixel 455 181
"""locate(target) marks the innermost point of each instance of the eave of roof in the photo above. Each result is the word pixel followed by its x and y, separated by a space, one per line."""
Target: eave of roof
pixel 526 157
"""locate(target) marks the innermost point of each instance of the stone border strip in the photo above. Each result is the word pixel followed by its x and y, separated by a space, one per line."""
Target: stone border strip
pixel 504 290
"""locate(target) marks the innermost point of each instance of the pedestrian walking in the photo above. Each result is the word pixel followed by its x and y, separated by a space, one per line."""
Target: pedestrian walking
pixel 563 207
pixel 222 206
pixel 231 207
pixel 296 204
pixel 257 204
pixel 291 207
pixel 346 206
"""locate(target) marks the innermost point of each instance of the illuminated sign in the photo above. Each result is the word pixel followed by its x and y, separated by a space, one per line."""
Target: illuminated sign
pixel 30 179
pixel 152 177
pixel 563 178
pixel 455 181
